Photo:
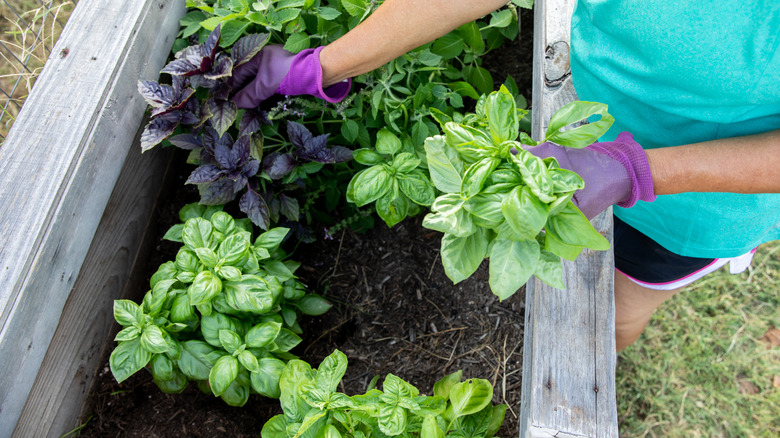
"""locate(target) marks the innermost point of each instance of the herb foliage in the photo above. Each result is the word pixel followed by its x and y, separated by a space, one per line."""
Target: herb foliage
pixel 223 314
pixel 501 202
pixel 313 407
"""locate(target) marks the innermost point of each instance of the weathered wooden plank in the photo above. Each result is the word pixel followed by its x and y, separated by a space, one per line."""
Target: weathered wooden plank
pixel 123 240
pixel 569 344
pixel 58 168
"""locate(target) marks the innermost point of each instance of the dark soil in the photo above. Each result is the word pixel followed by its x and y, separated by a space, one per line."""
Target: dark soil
pixel 395 311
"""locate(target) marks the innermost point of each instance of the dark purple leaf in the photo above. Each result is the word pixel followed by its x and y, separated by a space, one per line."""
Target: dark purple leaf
pixel 156 131
pixel 251 121
pixel 192 54
pixel 181 99
pixel 255 209
pixel 298 134
pixel 224 156
pixel 223 114
pixel 186 141
pixel 222 68
pixel 221 91
pixel 289 207
pixel 190 116
pixel 341 154
pixel 323 156
pixel 278 165
pixel 247 47
pixel 241 150
pixel 216 193
pixel 239 183
pixel 156 95
pixel 250 168
pixel 203 82
pixel 207 173
pixel 181 67
pixel 211 45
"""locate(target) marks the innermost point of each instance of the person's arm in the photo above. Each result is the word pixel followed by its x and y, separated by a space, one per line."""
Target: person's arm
pixel 395 28
pixel 749 164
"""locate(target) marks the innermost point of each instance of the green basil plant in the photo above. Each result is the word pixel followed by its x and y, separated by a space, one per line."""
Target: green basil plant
pixel 223 314
pixel 313 408
pixel 501 202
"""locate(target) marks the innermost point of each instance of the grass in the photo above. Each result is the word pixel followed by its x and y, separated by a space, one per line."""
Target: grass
pixel 28 31
pixel 705 366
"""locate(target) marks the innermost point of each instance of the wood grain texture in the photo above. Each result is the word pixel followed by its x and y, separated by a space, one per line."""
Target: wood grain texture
pixel 122 241
pixel 58 168
pixel 569 343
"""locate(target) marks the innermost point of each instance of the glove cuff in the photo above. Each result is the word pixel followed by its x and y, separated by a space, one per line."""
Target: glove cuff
pixel 305 77
pixel 630 154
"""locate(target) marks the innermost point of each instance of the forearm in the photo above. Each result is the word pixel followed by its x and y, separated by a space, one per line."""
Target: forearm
pixel 749 164
pixel 395 28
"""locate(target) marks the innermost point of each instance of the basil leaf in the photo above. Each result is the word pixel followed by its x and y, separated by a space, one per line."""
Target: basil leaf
pixel 285 341
pixel 174 233
pixel 367 157
pixel 211 324
pixel 223 222
pixel 405 162
pixel 128 334
pixel 455 222
pixel 313 305
pixel 583 135
pixel 249 361
pixel 392 420
pixel 417 187
pixel 276 427
pixel 549 270
pixel 503 123
pixel 368 185
pixel 461 256
pixel 470 397
pixel 571 227
pixel 485 209
pixel 251 294
pixel 153 339
pixel 564 180
pixel 266 380
pixel 233 249
pixel 262 334
pixel 197 233
pixel 205 287
pixel 524 212
pixel 331 371
pixel 128 358
pixel 162 367
pixel 230 340
pixel 271 239
pixel 193 361
pixel 512 263
pixel 222 374
pixel 444 165
pixel 207 256
pixel 476 175
pixel 127 313
pixel 387 143
pixel 535 175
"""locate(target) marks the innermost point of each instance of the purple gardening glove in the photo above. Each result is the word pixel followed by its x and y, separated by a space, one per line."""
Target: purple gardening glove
pixel 615 172
pixel 278 71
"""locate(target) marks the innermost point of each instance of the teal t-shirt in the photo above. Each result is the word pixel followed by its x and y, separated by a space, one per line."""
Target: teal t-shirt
pixel 680 72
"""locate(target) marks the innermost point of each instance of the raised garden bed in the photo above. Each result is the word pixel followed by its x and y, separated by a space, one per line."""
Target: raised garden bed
pixel 396 312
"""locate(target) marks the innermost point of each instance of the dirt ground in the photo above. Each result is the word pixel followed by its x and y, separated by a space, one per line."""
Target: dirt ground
pixel 395 311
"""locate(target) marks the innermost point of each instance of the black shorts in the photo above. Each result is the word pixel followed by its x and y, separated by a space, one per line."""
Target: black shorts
pixel 647 263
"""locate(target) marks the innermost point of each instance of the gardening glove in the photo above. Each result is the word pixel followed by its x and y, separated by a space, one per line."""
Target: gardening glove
pixel 275 70
pixel 615 172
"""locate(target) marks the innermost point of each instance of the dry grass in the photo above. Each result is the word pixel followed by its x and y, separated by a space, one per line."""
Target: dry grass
pixel 28 31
